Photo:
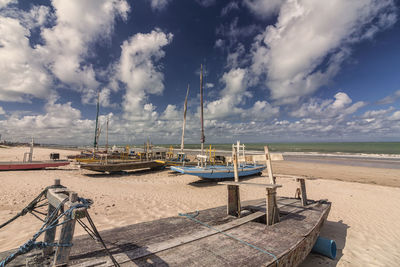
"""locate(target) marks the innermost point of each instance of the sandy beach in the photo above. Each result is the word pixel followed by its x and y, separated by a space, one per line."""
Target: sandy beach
pixel 363 221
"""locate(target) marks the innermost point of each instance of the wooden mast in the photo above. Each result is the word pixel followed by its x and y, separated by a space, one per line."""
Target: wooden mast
pixel 97 121
pixel 107 135
pixel 202 138
pixel 31 151
pixel 184 120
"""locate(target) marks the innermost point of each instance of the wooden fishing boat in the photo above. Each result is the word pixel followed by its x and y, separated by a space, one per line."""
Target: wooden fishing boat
pixel 219 240
pixel 274 231
pixel 178 241
pixel 170 163
pixel 121 166
pixel 28 164
pixel 33 165
pixel 219 171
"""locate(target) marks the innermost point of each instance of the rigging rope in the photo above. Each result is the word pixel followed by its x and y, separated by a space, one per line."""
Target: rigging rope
pixel 49 223
pixel 31 206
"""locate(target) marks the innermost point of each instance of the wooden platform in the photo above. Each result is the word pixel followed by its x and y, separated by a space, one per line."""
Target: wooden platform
pixel 179 241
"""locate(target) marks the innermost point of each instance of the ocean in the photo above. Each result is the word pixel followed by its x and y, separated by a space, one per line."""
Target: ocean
pixel 388 148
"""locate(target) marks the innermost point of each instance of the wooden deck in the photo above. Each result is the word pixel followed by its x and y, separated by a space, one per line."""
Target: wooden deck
pixel 179 241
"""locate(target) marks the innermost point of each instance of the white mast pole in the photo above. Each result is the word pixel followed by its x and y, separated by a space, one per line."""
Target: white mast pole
pixel 202 138
pixel 184 120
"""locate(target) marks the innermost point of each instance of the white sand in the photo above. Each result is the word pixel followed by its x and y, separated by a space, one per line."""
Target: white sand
pixel 364 219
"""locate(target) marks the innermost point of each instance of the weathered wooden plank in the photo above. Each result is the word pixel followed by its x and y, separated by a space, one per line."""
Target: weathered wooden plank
pixel 272 214
pixel 235 165
pixel 56 196
pixel 51 233
pixel 269 165
pixel 61 257
pixel 168 244
pixel 233 207
pixel 303 193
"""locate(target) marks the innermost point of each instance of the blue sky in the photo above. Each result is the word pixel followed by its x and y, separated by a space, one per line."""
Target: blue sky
pixel 276 70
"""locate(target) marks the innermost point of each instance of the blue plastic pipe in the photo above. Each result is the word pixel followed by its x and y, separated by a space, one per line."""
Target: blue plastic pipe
pixel 325 247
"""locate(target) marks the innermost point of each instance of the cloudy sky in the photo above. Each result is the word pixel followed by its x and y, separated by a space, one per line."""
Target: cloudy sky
pixel 275 70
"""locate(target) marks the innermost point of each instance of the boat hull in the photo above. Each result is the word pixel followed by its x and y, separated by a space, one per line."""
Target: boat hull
pixel 219 172
pixel 12 166
pixel 117 167
pixel 178 241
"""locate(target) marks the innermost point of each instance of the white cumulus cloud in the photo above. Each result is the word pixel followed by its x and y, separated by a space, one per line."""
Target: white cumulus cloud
pixel 22 72
pixel 338 107
pixel 158 4
pixel 79 25
pixel 138 71
pixel 263 8
pixel 307 45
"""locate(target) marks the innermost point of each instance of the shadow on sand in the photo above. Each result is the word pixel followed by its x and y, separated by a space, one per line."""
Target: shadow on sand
pixel 121 174
pixel 214 182
pixel 333 230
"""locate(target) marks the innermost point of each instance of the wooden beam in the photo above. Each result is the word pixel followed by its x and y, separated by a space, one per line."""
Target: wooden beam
pixel 61 257
pixel 50 234
pixel 233 207
pixel 56 196
pixel 272 211
pixel 303 192
pixel 235 165
pixel 269 165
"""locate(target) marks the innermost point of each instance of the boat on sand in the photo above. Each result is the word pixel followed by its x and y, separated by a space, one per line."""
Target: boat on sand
pixel 29 164
pixel 274 231
pixel 121 166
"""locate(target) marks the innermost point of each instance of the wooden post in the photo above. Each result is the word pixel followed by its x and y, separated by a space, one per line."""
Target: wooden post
pixel 50 234
pixel 269 165
pixel 233 190
pixel 303 193
pixel 272 211
pixel 67 233
pixel 235 165
pixel 233 200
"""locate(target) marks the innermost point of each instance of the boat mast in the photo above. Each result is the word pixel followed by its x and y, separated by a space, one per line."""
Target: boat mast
pixel 31 151
pixel 107 135
pixel 184 120
pixel 97 121
pixel 202 138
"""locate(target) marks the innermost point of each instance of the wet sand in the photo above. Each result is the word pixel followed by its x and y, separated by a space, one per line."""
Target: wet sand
pixel 363 219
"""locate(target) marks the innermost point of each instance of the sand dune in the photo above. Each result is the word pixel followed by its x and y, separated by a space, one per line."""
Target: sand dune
pixel 363 220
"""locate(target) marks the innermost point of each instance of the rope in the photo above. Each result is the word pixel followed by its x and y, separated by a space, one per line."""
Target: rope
pixel 28 246
pixel 49 223
pixel 192 217
pixel 31 206
pixel 97 234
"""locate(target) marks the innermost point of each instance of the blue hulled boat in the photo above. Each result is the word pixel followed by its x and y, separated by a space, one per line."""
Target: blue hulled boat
pixel 219 171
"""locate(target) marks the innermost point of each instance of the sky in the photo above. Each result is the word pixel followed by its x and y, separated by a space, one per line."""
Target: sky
pixel 274 70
